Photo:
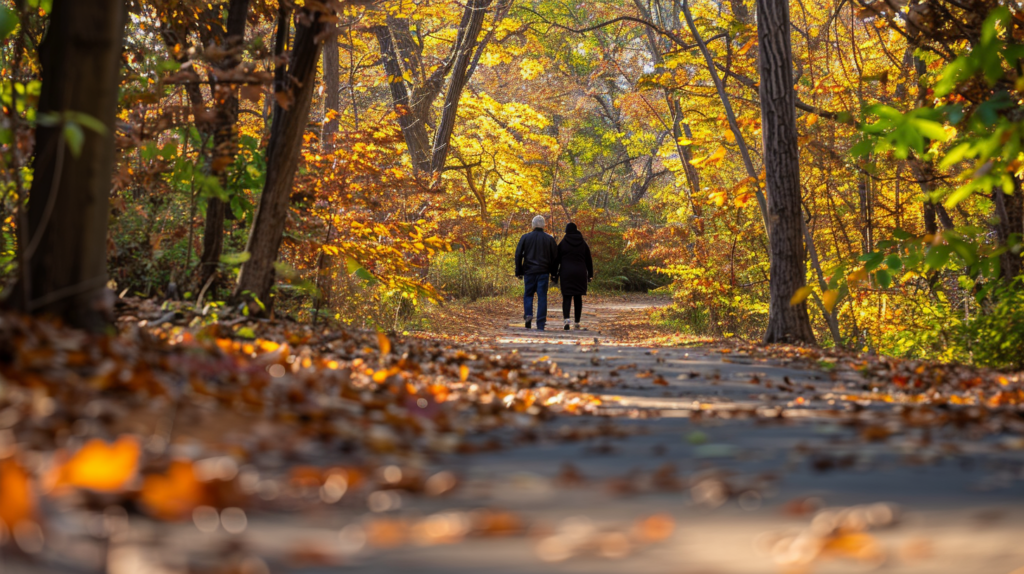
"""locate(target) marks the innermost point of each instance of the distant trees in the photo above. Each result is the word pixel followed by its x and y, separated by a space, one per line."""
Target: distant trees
pixel 402 56
pixel 64 249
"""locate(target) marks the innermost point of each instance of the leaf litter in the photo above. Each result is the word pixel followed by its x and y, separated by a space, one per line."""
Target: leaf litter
pixel 222 424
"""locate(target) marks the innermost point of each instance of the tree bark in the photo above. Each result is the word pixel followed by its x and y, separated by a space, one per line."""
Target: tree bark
pixel 787 323
pixel 460 75
pixel 65 258
pixel 289 124
pixel 1010 212
pixel 413 129
pixel 225 137
pixel 332 97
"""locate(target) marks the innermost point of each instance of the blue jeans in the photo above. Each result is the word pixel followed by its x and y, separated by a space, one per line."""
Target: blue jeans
pixel 536 284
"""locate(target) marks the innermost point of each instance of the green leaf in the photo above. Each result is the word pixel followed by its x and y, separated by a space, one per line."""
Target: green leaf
pixel 884 278
pixel 87 121
pixel 937 256
pixel 48 119
pixel 8 22
pixel 893 262
pixel 955 155
pixel 864 147
pixel 967 251
pixel 931 130
pixel 997 19
pixel 235 258
pixel 75 138
pixel 872 260
pixel 959 69
pixel 365 275
pixel 884 111
pixel 902 235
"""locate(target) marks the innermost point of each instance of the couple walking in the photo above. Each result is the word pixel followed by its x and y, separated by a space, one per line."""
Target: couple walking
pixel 538 258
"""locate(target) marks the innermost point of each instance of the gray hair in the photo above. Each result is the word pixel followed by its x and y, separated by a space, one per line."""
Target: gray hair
pixel 538 222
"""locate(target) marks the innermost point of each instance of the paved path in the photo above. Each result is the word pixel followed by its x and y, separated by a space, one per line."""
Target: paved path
pixel 746 493
pixel 707 462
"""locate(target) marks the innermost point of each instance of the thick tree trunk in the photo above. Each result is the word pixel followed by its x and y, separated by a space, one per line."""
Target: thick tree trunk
pixel 225 138
pixel 257 274
pixel 787 323
pixel 65 258
pixel 332 97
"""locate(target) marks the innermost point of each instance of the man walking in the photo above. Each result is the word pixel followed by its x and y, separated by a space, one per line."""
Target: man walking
pixel 535 262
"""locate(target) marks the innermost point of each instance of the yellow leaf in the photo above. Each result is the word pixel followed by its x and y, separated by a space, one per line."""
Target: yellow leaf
pixel 463 373
pixel 684 141
pixel 384 343
pixel 812 119
pixel 829 299
pixel 800 295
pixel 858 275
pixel 718 155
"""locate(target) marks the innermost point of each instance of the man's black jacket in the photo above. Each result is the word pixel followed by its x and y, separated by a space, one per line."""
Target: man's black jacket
pixel 536 253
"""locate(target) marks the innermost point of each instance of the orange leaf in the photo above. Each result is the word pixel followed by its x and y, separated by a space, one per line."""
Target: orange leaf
pixel 384 343
pixel 829 299
pixel 102 466
pixel 175 495
pixel 284 99
pixel 17 501
pixel 463 373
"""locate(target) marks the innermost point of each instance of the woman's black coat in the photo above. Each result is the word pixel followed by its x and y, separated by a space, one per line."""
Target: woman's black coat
pixel 574 265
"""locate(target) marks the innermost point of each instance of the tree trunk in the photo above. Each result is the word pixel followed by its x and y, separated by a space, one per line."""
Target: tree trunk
pixel 1010 212
pixel 65 272
pixel 460 75
pixel 225 138
pixel 257 274
pixel 413 129
pixel 787 323
pixel 332 87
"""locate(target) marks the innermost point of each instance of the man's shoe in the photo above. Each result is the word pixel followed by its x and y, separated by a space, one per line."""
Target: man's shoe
pixel 528 323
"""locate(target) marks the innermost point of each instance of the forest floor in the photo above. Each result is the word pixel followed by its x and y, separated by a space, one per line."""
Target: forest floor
pixel 482 446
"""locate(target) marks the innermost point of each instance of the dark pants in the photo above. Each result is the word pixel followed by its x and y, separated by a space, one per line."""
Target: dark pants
pixel 567 301
pixel 536 284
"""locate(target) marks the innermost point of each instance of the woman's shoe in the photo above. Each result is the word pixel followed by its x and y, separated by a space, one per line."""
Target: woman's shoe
pixel 566 325
pixel 577 326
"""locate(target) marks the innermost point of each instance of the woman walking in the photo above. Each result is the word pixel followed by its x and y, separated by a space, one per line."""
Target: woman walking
pixel 575 269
